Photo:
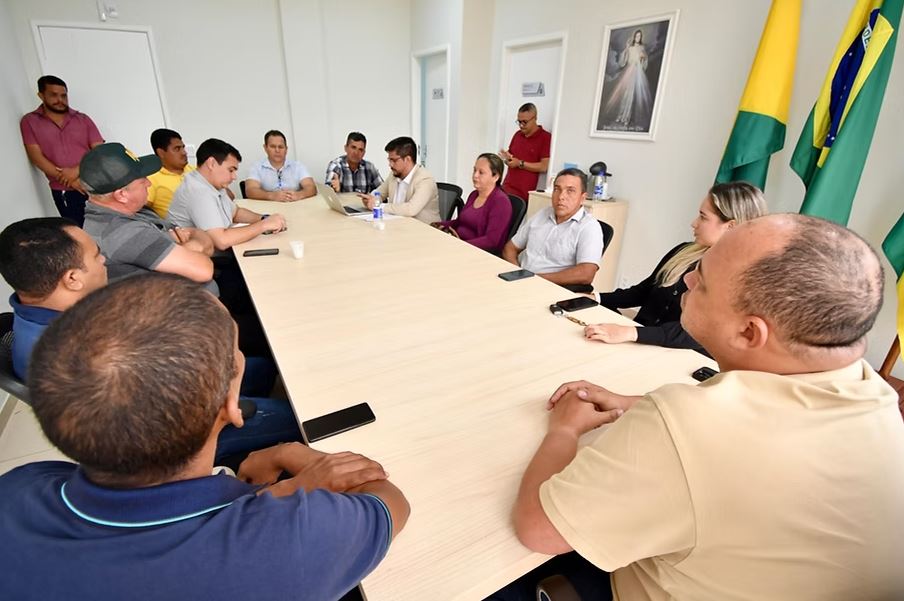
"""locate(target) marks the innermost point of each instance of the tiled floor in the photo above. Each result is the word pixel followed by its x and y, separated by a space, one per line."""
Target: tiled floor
pixel 23 442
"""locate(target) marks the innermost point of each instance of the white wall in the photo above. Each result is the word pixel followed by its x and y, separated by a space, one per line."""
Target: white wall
pixel 25 190
pixel 348 70
pixel 665 180
pixel 233 70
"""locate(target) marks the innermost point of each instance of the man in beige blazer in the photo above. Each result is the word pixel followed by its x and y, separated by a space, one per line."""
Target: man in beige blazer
pixel 411 191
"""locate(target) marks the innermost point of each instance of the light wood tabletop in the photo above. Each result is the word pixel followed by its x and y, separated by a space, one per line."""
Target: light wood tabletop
pixel 455 362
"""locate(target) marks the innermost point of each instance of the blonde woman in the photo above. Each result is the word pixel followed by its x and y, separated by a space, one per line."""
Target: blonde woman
pixel 659 296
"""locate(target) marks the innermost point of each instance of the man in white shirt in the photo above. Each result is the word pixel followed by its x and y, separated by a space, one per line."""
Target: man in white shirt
pixel 411 191
pixel 562 243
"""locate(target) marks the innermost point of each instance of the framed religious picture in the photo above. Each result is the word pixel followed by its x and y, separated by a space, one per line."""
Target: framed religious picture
pixel 633 69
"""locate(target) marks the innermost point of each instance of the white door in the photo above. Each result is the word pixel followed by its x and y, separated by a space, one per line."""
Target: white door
pixel 536 64
pixel 111 77
pixel 434 114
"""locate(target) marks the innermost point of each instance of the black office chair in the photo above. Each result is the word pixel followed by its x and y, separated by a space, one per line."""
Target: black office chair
pixel 9 382
pixel 449 200
pixel 608 232
pixel 242 188
pixel 519 210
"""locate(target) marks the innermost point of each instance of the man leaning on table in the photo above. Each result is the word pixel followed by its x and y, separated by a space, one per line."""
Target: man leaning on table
pixel 411 191
pixel 139 404
pixel 132 237
pixel 201 201
pixel 562 242
pixel 780 478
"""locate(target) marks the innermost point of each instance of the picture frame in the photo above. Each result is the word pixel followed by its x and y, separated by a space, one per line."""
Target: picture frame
pixel 634 64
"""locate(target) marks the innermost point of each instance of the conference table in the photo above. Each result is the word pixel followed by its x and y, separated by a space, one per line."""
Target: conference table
pixel 456 364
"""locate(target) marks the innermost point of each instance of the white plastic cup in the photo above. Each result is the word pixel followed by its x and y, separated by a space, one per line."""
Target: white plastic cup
pixel 297 248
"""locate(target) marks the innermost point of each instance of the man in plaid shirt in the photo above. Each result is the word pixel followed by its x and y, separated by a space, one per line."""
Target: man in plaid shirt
pixel 350 172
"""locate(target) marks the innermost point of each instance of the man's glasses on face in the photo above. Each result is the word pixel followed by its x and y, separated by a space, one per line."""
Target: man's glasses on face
pixel 523 122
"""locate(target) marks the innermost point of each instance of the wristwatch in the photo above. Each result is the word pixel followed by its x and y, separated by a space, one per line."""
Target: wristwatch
pixel 521 165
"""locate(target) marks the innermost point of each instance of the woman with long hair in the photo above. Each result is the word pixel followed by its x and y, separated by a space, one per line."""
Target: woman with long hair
pixel 659 296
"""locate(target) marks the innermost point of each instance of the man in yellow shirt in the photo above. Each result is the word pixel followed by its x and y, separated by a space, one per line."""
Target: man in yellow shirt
pixel 167 145
pixel 780 478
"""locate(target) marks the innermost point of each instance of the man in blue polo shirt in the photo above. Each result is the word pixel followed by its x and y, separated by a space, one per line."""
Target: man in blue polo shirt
pixel 51 264
pixel 139 403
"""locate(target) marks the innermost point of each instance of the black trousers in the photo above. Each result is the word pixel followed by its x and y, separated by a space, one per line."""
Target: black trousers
pixel 70 204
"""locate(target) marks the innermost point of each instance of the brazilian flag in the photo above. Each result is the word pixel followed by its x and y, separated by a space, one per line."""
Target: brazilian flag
pixel 894 250
pixel 833 146
pixel 759 129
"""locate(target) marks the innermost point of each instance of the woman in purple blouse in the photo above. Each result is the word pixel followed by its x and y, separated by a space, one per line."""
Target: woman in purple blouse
pixel 484 220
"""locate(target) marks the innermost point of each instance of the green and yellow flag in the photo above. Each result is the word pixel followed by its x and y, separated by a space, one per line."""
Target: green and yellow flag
pixel 833 146
pixel 759 129
pixel 894 250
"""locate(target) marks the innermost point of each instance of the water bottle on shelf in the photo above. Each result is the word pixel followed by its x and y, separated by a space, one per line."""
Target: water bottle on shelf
pixel 378 211
pixel 599 183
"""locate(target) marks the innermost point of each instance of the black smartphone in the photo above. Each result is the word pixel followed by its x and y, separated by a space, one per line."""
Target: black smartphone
pixel 577 303
pixel 703 374
pixel 518 274
pixel 260 252
pixel 337 422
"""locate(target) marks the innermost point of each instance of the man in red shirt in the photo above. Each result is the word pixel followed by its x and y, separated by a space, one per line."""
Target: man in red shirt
pixel 56 138
pixel 528 153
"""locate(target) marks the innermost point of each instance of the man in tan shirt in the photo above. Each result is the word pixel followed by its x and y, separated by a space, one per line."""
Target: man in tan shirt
pixel 780 478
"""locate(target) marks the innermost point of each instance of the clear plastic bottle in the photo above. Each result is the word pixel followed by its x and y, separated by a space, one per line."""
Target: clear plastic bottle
pixel 378 211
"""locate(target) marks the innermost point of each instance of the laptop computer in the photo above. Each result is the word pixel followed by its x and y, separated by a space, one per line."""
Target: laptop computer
pixel 335 202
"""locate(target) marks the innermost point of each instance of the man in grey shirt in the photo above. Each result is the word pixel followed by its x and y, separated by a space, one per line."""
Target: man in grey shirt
pixel 202 202
pixel 133 238
pixel 562 243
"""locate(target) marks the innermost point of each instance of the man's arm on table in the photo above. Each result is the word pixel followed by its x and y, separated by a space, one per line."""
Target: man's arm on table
pixel 570 418
pixel 337 472
pixel 581 273
pixel 188 263
pixel 510 253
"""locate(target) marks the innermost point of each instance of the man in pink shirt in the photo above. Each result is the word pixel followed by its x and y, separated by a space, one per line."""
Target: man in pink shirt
pixel 56 138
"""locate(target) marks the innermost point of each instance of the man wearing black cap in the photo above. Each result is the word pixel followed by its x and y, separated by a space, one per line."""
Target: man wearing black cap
pixel 133 238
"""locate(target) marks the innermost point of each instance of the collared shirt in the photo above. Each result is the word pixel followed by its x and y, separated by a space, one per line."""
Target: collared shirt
pixel 532 149
pixel 402 191
pixel 164 184
pixel 197 203
pixel 366 178
pixel 28 325
pixel 208 538
pixel 548 247
pixel 131 243
pixel 63 145
pixel 288 177
pixel 751 485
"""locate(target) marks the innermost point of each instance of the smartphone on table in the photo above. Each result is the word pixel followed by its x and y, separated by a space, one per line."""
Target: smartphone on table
pixel 337 422
pixel 577 303
pixel 518 274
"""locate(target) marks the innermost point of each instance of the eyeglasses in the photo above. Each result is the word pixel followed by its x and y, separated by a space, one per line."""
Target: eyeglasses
pixel 523 122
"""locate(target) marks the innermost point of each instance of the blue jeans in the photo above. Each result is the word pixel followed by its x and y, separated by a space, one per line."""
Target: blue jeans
pixel 273 423
pixel 70 204
pixel 259 377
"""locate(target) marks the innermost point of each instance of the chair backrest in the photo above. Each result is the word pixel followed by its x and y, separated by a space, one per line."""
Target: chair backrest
pixel 242 188
pixel 608 232
pixel 449 200
pixel 519 210
pixel 8 380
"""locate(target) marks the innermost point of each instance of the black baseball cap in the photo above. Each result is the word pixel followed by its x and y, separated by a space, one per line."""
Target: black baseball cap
pixel 110 166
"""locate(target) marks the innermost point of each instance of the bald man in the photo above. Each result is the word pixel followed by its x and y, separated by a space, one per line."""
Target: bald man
pixel 780 478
